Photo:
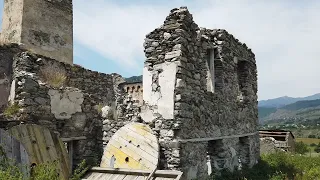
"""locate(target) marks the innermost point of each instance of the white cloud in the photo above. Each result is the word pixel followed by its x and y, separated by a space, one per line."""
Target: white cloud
pixel 284 35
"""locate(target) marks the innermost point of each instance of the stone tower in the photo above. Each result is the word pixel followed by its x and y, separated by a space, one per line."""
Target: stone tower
pixel 42 26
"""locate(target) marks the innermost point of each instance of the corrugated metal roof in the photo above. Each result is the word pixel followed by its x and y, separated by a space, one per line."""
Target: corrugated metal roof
pixel 97 173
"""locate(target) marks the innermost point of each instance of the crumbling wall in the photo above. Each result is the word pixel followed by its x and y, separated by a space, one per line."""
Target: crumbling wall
pixel 45 27
pixel 6 55
pixel 67 99
pixel 200 86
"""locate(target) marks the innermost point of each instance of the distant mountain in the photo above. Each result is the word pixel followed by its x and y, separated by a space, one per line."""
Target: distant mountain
pixel 302 105
pixel 298 112
pixel 265 111
pixel 134 79
pixel 285 100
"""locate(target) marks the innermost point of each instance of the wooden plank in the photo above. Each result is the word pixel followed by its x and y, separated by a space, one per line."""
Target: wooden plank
pixel 137 172
pixel 70 152
pixel 130 177
pixel 151 174
pixel 42 146
pixel 216 138
pixel 146 159
pixel 134 147
pixel 73 138
pixel 138 140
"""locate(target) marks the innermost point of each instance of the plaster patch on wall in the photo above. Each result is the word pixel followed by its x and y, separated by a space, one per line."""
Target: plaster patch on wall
pixel 163 98
pixel 4 91
pixel 64 104
pixel 12 91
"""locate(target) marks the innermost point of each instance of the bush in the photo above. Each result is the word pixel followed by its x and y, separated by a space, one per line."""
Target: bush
pixel 301 148
pixel 277 166
pixel 312 136
pixel 45 171
pixel 313 145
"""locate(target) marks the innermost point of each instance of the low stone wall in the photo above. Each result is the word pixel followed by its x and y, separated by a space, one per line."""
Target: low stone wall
pixel 67 99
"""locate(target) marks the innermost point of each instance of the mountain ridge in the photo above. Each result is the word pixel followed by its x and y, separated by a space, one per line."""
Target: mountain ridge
pixel 285 100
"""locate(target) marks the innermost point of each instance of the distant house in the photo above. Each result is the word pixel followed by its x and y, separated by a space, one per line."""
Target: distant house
pixel 282 139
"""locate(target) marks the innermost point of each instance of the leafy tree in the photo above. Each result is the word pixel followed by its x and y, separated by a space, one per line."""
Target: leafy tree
pixel 312 136
pixel 301 148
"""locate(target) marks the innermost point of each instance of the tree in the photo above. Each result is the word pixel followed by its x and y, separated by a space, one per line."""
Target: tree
pixel 312 136
pixel 301 148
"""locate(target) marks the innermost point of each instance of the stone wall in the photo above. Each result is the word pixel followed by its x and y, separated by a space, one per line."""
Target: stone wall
pixel 200 84
pixel 69 100
pixel 43 26
pixel 6 55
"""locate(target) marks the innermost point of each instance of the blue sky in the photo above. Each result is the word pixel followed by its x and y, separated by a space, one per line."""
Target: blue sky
pixel 284 35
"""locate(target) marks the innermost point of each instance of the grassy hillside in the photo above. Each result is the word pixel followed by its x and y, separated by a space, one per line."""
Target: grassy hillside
pixel 302 105
pixel 285 100
pixel 298 112
pixel 265 111
pixel 134 79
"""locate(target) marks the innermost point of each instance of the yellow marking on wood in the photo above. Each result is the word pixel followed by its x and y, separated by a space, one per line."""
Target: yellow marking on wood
pixel 137 140
pixel 134 147
pixel 121 159
pixel 137 155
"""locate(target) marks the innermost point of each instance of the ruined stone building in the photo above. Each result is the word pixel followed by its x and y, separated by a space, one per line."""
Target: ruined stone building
pixel 276 139
pixel 199 93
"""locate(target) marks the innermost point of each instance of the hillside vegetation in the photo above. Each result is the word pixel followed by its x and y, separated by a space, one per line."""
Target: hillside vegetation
pixel 302 111
pixel 285 100
pixel 134 79
pixel 278 166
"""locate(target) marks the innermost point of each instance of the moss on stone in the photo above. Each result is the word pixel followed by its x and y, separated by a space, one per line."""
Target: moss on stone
pixel 11 110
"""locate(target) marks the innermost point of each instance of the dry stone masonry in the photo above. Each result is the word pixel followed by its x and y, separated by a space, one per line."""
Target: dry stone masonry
pixel 201 86
pixel 73 109
pixel 199 92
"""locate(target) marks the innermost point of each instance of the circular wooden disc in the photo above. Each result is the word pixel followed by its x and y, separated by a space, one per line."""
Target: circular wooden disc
pixel 42 146
pixel 132 147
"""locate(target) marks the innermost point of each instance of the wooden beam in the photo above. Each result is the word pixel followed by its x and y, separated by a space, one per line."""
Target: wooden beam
pixel 73 138
pixel 216 138
pixel 158 173
pixel 151 174
pixel 70 152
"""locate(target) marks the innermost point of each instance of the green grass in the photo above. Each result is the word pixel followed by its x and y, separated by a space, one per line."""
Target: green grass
pixel 11 110
pixel 277 166
pixel 308 140
pixel 44 171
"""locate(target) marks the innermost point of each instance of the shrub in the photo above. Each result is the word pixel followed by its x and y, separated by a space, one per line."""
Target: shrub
pixel 45 171
pixel 277 166
pixel 312 136
pixel 313 145
pixel 53 75
pixel 301 148
pixel 11 110
pixel 80 171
